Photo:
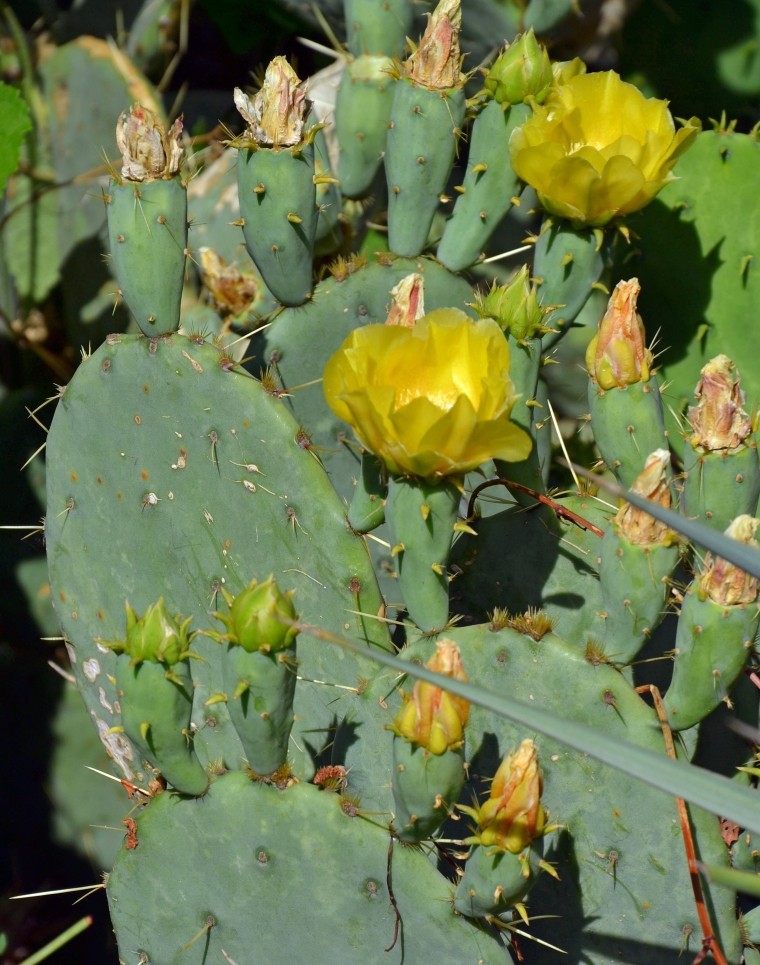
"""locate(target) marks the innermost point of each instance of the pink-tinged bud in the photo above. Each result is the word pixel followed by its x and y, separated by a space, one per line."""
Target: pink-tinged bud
pixel 432 717
pixel 147 150
pixel 435 64
pixel 637 526
pixel 232 290
pixel 513 816
pixel 408 305
pixel 276 115
pixel 723 582
pixel 617 355
pixel 718 419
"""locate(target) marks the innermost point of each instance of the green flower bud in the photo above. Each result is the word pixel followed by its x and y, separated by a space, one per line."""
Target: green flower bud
pixel 253 622
pixel 515 307
pixel 155 637
pixel 522 70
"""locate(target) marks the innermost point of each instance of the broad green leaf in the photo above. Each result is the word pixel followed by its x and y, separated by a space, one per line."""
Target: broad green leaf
pixel 14 123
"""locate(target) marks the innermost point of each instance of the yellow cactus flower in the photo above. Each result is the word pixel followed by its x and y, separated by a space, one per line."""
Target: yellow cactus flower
pixel 513 816
pixel 431 717
pixel 432 401
pixel 599 149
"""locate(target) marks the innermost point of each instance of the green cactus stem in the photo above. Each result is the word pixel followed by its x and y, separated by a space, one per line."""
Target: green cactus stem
pixel 367 509
pixel 716 628
pixel 489 188
pixel 378 29
pixel 567 263
pixel 276 183
pixel 426 122
pixel 638 556
pixel 495 881
pixel 425 787
pixel 362 112
pixel 421 519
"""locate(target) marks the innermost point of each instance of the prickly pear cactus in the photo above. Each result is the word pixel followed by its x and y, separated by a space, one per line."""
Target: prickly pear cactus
pixel 235 538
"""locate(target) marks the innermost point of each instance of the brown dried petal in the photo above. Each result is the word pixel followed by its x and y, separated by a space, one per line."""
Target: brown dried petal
pixel 148 152
pixel 277 113
pixel 408 305
pixel 231 290
pixel 718 419
pixel 723 582
pixel 435 63
pixel 637 526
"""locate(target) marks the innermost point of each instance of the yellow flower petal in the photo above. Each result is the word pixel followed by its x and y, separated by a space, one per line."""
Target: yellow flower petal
pixel 432 401
pixel 601 122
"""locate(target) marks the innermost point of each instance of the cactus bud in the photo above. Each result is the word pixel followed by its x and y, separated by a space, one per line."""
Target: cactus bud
pixel 636 525
pixel 718 419
pixel 432 717
pixel 155 637
pixel 276 115
pixel 617 355
pixel 522 70
pixel 513 816
pixel 253 620
pixel 723 582
pixel 563 71
pixel 408 305
pixel 435 63
pixel 515 307
pixel 232 290
pixel 148 151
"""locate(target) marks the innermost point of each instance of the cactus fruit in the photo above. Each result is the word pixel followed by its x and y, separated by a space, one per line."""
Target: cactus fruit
pixel 428 750
pixel 638 557
pixel 425 124
pixel 156 693
pixel 623 394
pixel 720 462
pixel 259 672
pixel 147 220
pixel 717 625
pixel 276 183
pixel 507 846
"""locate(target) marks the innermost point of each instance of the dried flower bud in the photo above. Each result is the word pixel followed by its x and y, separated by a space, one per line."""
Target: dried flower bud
pixel 231 289
pixel 513 816
pixel 723 582
pixel 331 778
pixel 636 525
pixel 432 717
pixel 718 419
pixel 408 305
pixel 617 355
pixel 276 115
pixel 147 151
pixel 435 63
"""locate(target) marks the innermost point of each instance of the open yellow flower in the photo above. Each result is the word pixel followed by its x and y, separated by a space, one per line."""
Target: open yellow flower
pixel 599 149
pixel 431 401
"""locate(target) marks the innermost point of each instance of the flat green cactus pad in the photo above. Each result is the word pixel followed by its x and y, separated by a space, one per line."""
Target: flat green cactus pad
pixel 699 271
pixel 631 909
pixel 285 876
pixel 522 559
pixel 150 495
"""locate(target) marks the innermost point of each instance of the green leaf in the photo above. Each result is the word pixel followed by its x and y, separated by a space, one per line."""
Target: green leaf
pixel 713 792
pixel 14 123
pixel 744 881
